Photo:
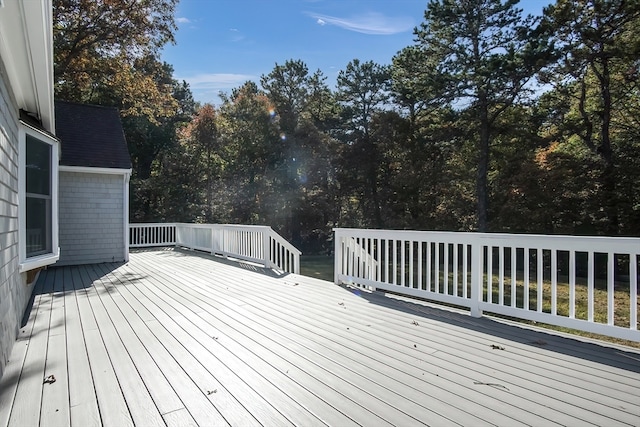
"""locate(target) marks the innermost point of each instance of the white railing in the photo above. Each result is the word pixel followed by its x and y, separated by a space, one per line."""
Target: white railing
pixel 360 256
pixel 585 283
pixel 255 243
pixel 150 235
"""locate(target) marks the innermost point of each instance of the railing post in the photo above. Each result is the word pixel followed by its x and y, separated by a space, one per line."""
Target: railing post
pixel 337 254
pixel 266 247
pixel 213 239
pixel 476 278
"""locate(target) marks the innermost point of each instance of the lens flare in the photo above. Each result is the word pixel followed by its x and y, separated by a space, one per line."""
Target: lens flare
pixel 283 136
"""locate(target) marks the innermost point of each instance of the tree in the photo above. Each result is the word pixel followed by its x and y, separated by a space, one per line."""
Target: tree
pixel 106 53
pixel 104 48
pixel 362 91
pixel 251 146
pixel 303 106
pixel 416 87
pixel 483 55
pixel 598 42
pixel 160 182
pixel 200 138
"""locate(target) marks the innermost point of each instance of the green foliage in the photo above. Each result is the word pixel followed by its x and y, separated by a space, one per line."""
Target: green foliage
pixel 479 57
pixel 455 134
pixel 105 52
pixel 363 92
pixel 596 79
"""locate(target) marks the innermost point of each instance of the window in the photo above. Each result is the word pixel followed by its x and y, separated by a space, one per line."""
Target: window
pixel 38 199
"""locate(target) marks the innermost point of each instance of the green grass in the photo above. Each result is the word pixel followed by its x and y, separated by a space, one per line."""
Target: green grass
pixel 621 302
pixel 318 266
pixel 600 308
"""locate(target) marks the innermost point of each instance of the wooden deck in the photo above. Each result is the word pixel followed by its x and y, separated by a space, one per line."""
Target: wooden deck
pixel 177 338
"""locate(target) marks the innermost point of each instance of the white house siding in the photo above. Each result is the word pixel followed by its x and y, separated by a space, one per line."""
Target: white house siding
pixel 14 293
pixel 91 218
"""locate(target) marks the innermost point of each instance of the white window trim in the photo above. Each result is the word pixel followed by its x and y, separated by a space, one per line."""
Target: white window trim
pixel 31 263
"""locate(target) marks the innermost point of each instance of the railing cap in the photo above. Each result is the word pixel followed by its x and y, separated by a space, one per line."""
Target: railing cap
pixel 550 241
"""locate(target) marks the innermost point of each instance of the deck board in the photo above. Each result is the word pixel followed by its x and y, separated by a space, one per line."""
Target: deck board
pixel 179 338
pixel 375 346
pixel 438 396
pixel 277 369
pixel 16 365
pixel 229 368
pixel 55 395
pixel 191 398
pixel 28 397
pixel 83 406
pixel 361 390
pixel 164 397
pixel 141 406
pixel 241 402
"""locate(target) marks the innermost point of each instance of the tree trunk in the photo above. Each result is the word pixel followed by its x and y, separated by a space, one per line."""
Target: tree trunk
pixel 371 181
pixel 483 166
pixel 606 151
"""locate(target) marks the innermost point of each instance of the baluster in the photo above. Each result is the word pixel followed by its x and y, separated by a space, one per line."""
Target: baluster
pixel 403 252
pixel 490 274
pixel 379 259
pixel 514 276
pixel 437 267
pixel 411 243
pixel 590 286
pixel 572 284
pixel 633 285
pixel 429 266
pixel 455 269
pixel 395 262
pixel 445 246
pixel 386 260
pixel 554 282
pixel 465 269
pixel 610 288
pixel 540 277
pixel 525 304
pixel 501 275
pixel 420 265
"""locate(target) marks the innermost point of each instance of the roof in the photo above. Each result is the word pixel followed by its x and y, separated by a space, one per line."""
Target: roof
pixel 91 135
pixel 26 47
pixel 28 119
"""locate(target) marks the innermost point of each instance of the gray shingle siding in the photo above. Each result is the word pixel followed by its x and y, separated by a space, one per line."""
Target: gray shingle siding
pixel 14 293
pixel 91 218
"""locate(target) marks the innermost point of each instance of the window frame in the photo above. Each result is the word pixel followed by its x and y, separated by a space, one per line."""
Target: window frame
pixel 40 260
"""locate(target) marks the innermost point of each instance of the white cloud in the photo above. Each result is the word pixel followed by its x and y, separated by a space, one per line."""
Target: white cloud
pixel 217 80
pixel 236 36
pixel 369 23
pixel 207 86
pixel 183 20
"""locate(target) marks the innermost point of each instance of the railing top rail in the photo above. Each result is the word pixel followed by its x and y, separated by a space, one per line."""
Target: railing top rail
pixel 262 227
pixel 285 243
pixel 152 224
pixel 559 242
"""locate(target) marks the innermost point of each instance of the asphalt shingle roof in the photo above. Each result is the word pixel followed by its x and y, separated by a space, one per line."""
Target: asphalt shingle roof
pixel 91 136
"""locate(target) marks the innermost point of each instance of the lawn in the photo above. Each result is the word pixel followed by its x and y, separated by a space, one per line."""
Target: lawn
pixel 318 266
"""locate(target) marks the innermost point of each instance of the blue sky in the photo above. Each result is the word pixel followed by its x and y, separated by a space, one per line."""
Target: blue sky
pixel 221 44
